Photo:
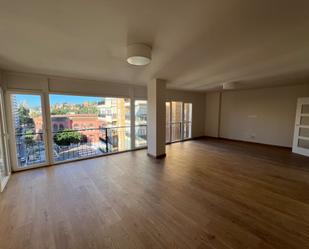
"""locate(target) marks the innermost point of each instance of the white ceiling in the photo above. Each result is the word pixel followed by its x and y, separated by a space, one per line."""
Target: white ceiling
pixel 197 44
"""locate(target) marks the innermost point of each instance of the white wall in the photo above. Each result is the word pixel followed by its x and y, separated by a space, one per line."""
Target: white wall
pixel 51 84
pixel 258 115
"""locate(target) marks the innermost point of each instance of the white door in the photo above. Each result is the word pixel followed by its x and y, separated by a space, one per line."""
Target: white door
pixel 301 132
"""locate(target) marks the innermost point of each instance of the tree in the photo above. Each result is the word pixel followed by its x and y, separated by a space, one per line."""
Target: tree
pixel 60 111
pixel 67 137
pixel 88 110
pixel 24 117
pixel 29 137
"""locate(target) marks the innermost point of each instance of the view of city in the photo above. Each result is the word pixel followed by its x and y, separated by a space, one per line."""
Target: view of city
pixel 140 123
pixel 83 126
pixel 30 146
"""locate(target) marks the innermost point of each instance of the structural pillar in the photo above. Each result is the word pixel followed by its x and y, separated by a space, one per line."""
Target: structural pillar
pixel 156 118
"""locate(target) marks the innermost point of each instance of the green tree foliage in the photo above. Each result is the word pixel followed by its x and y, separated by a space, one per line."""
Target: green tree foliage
pixel 60 111
pixel 76 109
pixel 24 117
pixel 67 137
pixel 29 137
pixel 88 110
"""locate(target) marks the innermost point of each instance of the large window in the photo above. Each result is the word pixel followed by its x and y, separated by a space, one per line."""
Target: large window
pixel 85 126
pixel 140 123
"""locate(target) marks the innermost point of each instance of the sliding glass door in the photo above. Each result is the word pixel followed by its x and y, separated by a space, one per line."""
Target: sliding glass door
pixel 178 121
pixel 29 140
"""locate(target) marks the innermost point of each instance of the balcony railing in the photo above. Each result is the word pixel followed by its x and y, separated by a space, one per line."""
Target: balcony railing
pixel 30 148
pixel 73 144
pixel 80 143
pixel 173 132
pixel 140 136
pixel 187 129
pixel 177 131
pixel 90 142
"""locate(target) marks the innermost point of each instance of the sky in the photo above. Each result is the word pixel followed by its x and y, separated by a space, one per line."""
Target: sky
pixel 35 100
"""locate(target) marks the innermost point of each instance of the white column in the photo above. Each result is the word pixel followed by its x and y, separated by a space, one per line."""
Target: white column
pixel 48 131
pixel 156 118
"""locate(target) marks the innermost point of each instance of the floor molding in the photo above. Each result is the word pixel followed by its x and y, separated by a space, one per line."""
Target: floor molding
pixel 248 142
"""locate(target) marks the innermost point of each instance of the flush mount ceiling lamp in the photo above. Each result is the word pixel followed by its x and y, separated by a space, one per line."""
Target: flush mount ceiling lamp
pixel 138 54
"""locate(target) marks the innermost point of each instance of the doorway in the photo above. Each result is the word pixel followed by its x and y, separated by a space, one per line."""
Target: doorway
pixel 301 132
pixel 178 121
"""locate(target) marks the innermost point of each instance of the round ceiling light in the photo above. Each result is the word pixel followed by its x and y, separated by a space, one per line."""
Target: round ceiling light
pixel 138 54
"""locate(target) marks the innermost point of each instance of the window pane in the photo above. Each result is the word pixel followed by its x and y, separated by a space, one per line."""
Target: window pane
pixel 28 128
pixel 187 127
pixel 303 143
pixel 305 109
pixel 176 120
pixel 187 130
pixel 304 132
pixel 168 122
pixel 140 123
pixel 304 120
pixel 86 126
pixel 176 112
pixel 187 112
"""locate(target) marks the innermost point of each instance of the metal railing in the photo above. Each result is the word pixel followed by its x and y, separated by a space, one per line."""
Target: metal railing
pixel 173 132
pixel 140 135
pixel 69 144
pixel 30 148
pixel 177 131
pixel 72 144
pixel 79 143
pixel 187 129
